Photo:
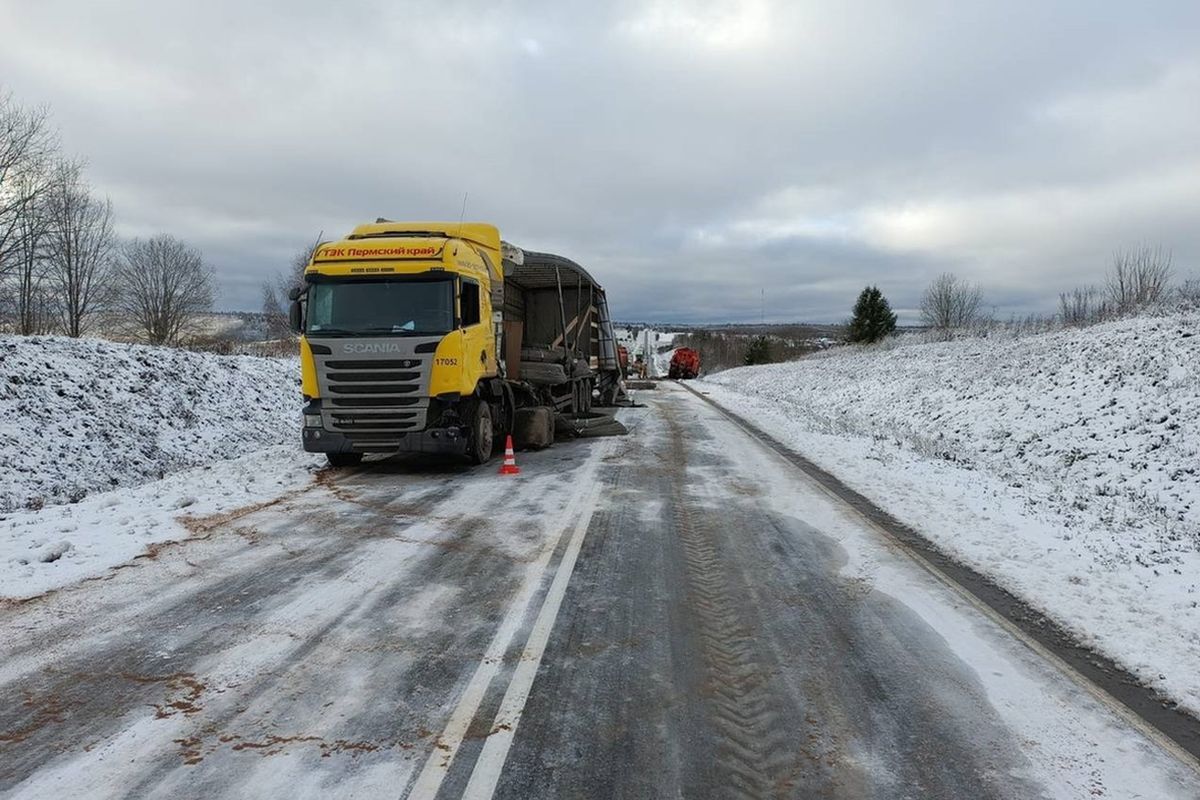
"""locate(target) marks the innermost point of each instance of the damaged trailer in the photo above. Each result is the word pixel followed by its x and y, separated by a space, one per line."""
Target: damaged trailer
pixel 557 332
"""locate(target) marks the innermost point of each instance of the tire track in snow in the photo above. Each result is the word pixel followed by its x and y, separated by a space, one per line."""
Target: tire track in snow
pixel 753 751
pixel 1159 719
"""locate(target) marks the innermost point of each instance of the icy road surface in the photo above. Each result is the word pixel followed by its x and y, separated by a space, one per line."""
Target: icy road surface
pixel 676 613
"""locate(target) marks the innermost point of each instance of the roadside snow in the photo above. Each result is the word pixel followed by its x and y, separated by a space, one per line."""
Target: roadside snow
pixel 79 416
pixel 1065 465
pixel 46 549
pixel 111 448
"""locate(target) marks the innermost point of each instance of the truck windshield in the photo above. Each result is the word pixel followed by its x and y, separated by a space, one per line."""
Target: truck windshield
pixel 381 307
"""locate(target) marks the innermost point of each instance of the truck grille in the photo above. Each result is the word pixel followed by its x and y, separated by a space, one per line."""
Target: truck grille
pixel 370 399
pixel 411 363
pixel 374 377
pixel 356 422
pixel 372 402
pixel 359 388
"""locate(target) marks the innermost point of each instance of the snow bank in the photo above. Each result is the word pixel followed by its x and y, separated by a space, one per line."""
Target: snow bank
pixel 111 448
pixel 82 416
pixel 1065 465
pixel 59 545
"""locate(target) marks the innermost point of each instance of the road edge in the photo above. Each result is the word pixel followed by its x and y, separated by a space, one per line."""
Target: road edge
pixel 1157 717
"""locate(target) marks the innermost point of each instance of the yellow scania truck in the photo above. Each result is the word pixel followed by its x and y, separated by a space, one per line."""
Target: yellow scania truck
pixel 438 337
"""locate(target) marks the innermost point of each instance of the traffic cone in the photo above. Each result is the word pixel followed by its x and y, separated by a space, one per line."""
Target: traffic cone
pixel 509 467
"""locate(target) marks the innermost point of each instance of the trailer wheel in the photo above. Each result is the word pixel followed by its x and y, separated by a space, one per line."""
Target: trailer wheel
pixel 344 459
pixel 581 400
pixel 480 434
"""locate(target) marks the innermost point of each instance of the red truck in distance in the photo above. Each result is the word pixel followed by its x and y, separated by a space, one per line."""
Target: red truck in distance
pixel 685 363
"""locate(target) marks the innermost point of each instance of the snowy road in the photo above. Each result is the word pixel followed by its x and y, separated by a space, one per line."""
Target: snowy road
pixel 676 613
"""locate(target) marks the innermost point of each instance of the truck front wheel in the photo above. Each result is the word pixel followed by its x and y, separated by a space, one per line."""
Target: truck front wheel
pixel 480 436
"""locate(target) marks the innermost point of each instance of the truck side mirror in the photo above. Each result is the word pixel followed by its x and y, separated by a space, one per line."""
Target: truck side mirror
pixel 296 317
pixel 295 292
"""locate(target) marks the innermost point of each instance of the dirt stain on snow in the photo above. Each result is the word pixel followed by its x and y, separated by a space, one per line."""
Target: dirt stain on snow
pixel 183 692
pixel 200 527
pixel 194 749
pixel 45 710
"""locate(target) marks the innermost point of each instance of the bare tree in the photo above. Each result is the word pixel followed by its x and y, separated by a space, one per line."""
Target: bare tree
pixel 162 284
pixel 275 293
pixel 1140 277
pixel 30 300
pixel 79 249
pixel 950 302
pixel 1082 306
pixel 27 147
pixel 1188 294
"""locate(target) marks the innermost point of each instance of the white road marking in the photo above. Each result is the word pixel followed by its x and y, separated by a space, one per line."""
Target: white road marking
pixel 490 763
pixel 437 765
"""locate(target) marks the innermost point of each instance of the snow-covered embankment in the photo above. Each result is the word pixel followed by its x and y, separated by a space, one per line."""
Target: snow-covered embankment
pixel 1065 465
pixel 105 446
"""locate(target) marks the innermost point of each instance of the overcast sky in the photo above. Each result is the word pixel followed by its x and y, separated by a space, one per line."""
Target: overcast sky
pixel 695 156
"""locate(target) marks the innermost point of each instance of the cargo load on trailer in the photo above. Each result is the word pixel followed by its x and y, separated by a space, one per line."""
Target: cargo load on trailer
pixel 438 337
pixel 685 363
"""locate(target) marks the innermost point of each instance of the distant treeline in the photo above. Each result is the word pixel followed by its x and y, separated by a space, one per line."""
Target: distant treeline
pixel 738 345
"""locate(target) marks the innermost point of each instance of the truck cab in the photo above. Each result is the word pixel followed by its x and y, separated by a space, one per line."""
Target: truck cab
pixel 437 337
pixel 398 342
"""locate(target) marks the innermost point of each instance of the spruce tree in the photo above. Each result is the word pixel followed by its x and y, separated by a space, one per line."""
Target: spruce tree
pixel 759 351
pixel 873 318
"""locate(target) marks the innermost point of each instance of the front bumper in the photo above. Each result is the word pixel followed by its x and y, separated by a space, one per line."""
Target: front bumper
pixel 447 438
pixel 444 441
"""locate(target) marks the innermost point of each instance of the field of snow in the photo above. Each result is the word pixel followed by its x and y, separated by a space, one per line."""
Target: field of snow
pixel 90 429
pixel 1065 465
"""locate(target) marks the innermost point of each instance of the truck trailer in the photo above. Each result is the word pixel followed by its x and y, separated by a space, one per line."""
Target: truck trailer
pixel 685 363
pixel 439 337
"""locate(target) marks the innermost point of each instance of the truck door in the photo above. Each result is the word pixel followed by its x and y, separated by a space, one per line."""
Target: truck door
pixel 479 345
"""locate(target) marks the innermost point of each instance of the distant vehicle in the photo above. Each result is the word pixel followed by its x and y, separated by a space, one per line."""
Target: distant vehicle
pixel 437 337
pixel 640 370
pixel 685 363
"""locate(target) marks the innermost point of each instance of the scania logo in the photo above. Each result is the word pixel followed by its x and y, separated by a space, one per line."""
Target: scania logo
pixel 372 347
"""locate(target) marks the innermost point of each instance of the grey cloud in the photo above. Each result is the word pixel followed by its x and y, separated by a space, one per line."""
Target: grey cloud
pixel 692 154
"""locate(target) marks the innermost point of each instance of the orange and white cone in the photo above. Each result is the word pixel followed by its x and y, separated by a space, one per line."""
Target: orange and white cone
pixel 509 467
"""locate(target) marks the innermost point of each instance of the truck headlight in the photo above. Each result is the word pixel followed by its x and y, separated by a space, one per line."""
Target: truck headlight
pixel 312 420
